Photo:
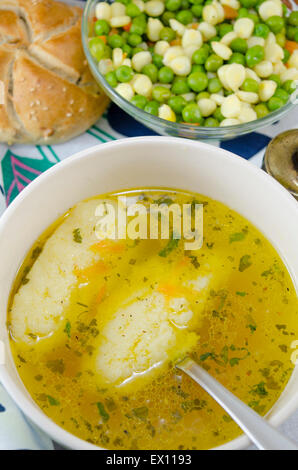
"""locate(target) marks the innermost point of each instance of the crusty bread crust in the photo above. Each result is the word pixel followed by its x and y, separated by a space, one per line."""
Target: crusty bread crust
pixel 49 93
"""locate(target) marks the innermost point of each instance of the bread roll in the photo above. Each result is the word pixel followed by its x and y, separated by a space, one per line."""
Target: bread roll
pixel 48 92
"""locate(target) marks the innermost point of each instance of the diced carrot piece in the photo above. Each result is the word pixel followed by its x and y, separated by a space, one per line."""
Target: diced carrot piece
pixel 127 27
pixel 169 290
pixel 230 13
pixel 175 42
pixel 94 270
pixel 101 294
pixel 185 261
pixel 113 31
pixel 103 38
pixel 195 25
pixel 108 246
pixel 191 123
pixel 291 46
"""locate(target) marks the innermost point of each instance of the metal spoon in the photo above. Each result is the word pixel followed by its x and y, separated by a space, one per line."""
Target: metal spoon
pixel 261 433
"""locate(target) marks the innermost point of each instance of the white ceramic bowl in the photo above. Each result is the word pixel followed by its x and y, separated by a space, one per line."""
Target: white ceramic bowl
pixel 142 162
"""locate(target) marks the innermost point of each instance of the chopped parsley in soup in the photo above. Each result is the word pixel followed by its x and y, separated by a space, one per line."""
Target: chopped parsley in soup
pixel 97 326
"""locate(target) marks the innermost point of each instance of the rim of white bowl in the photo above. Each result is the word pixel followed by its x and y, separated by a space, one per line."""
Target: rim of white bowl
pixel 22 398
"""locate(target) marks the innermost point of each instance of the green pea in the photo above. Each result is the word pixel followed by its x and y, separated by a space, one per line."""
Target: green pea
pixel 151 71
pixel 185 4
pixel 197 81
pixel 274 103
pixel 254 55
pixel 290 32
pixel 97 48
pixel 211 122
pixel 289 86
pixel 125 2
pixel 293 18
pixel 296 35
pixel 161 94
pixel 237 58
pixel 225 28
pixel 197 2
pixel 213 63
pixel 173 5
pixel 184 16
pixel 218 115
pixel 115 41
pixel 198 68
pixel 191 114
pixel 203 95
pixel 275 78
pixel 136 50
pixel 137 29
pixel 214 38
pixel 107 52
pixel 239 45
pixel 251 85
pixel 141 19
pixel 152 107
pixel 111 79
pixel 125 35
pixel 180 86
pixel 281 94
pixel 197 10
pixel 254 17
pixel 134 39
pixel 214 85
pixel 286 56
pixel 261 110
pixel 139 101
pixel 261 30
pixel 177 103
pixel 242 13
pixel 127 50
pixel 167 16
pixel 275 23
pixel 124 73
pixel 132 10
pixel 248 3
pixel 167 34
pixel 157 60
pixel 280 39
pixel 200 56
pixel 101 28
pixel 165 75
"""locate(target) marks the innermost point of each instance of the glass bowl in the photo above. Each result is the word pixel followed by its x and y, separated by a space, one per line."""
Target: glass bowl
pixel 162 126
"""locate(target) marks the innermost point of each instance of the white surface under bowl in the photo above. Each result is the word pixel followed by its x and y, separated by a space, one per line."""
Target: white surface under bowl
pixel 142 162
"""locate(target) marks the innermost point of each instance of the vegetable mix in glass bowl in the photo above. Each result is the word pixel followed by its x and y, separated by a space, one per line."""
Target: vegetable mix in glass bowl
pixel 195 68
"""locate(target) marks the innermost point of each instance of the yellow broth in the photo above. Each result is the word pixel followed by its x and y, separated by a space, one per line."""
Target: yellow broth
pixel 244 330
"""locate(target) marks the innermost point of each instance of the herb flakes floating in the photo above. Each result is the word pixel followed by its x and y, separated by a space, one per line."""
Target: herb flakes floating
pixel 67 329
pixel 141 413
pixel 77 237
pixel 102 411
pixel 245 263
pixel 171 245
pixel 52 401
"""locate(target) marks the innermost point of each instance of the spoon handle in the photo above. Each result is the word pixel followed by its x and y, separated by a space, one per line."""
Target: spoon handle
pixel 264 436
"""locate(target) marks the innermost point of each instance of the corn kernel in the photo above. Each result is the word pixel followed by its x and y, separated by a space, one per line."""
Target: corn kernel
pixel 234 76
pixel 270 8
pixel 117 9
pixel 161 47
pixel 154 8
pixel 244 27
pixel 165 112
pixel 289 74
pixel 210 15
pixel 172 53
pixel 255 41
pixel 140 59
pixel 181 65
pixel 118 57
pixel 221 50
pixel 247 114
pixel 120 21
pixel 105 66
pixel 178 27
pixel 228 38
pixel 231 107
pixel 192 37
pixel 206 106
pixel 142 85
pixel 267 89
pixel 293 61
pixel 230 122
pixel 125 90
pixel 103 11
pixel 248 96
pixel 208 30
pixel 217 98
pixel 154 28
pixel 231 3
pixel 264 68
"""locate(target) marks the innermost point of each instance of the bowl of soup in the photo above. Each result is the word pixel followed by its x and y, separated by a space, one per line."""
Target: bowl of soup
pixel 126 258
